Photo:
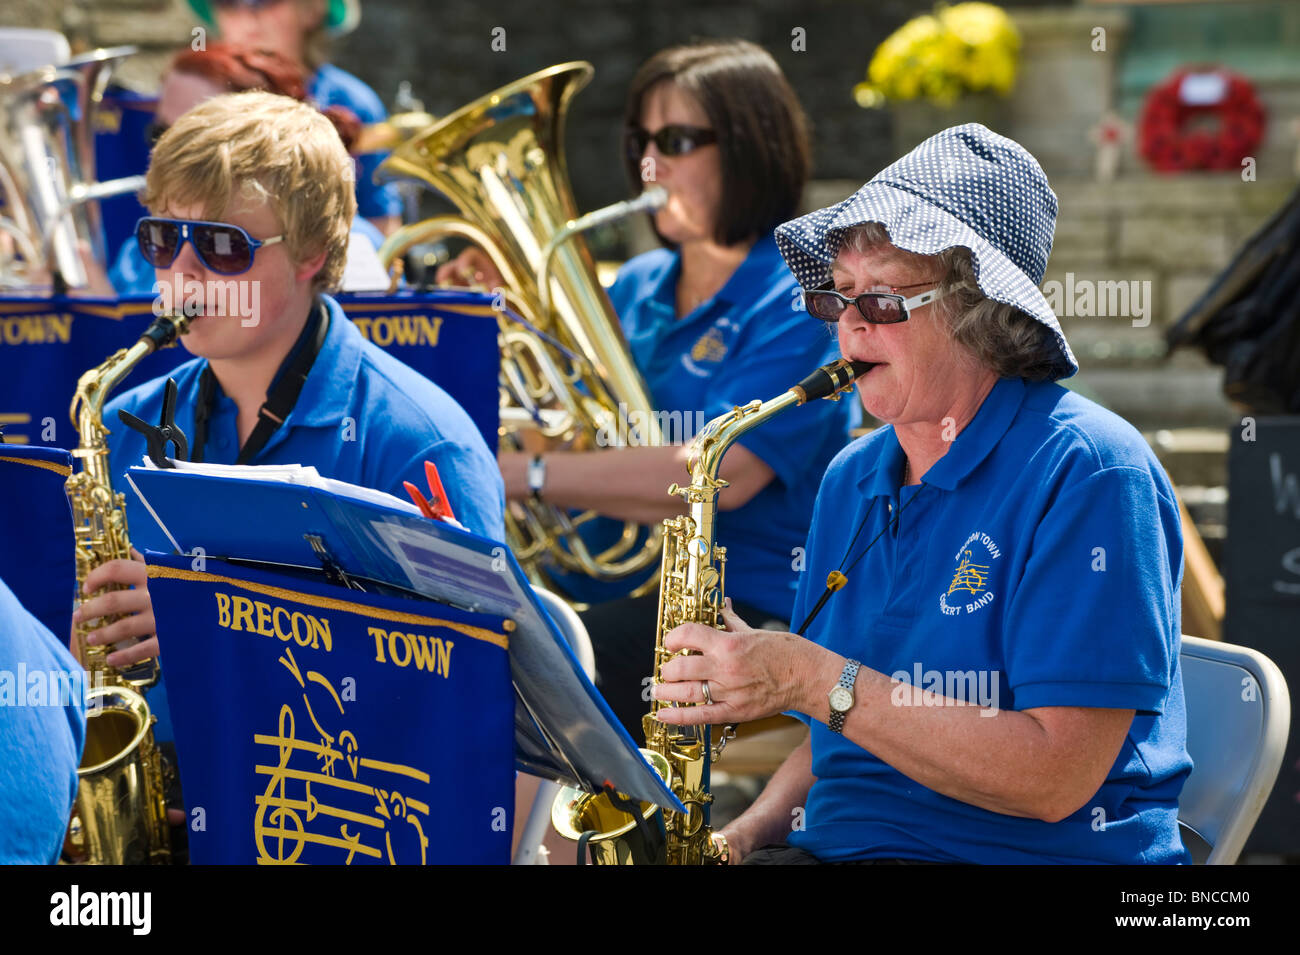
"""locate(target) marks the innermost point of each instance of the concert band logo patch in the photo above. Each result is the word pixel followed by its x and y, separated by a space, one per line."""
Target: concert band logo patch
pixel 711 347
pixel 969 591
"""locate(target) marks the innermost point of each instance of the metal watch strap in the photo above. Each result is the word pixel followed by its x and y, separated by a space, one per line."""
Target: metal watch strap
pixel 536 476
pixel 848 676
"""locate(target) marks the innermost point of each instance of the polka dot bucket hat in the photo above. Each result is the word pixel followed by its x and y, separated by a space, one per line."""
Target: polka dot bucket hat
pixel 966 186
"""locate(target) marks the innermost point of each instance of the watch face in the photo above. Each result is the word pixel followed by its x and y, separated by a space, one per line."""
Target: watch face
pixel 841 699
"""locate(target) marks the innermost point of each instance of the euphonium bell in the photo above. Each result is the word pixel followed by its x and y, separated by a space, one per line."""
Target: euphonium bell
pixel 566 375
pixel 48 191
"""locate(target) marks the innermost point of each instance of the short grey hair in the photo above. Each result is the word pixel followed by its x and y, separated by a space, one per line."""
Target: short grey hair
pixel 999 336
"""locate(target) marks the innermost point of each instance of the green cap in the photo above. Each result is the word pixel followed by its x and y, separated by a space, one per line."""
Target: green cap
pixel 341 16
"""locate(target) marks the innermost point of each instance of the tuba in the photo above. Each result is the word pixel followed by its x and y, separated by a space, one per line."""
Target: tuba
pixel 566 374
pixel 691 587
pixel 49 207
pixel 120 816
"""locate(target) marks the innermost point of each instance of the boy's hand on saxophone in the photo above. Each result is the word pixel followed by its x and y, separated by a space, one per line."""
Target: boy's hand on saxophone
pixel 129 600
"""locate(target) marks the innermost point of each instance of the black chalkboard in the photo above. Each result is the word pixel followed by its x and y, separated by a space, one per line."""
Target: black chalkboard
pixel 1262 581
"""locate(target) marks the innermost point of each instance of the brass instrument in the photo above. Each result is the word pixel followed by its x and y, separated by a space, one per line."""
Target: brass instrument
pixel 691 587
pixel 566 374
pixel 120 816
pixel 49 198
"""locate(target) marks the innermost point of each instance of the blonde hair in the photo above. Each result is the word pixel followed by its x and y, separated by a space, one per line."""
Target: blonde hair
pixel 265 146
pixel 999 336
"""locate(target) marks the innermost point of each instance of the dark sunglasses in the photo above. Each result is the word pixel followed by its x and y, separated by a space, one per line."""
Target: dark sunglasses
pixel 669 140
pixel 878 308
pixel 222 248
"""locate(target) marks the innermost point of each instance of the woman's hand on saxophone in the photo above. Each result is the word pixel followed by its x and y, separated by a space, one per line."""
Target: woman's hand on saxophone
pixel 133 604
pixel 751 674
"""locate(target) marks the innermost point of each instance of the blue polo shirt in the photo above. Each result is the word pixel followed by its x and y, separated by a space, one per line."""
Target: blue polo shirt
pixel 1038 564
pixel 362 417
pixel 44 729
pixel 751 340
pixel 331 86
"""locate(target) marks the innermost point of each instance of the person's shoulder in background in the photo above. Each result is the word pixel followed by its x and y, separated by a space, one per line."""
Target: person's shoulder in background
pixel 41 746
pixel 331 86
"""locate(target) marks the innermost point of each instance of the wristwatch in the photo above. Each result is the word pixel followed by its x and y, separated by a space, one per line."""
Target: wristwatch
pixel 841 696
pixel 536 476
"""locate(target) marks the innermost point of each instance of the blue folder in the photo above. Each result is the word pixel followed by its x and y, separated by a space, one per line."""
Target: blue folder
pixel 564 729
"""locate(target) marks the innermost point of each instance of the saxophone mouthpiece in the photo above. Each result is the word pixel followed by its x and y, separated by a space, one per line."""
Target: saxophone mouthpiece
pixel 831 379
pixel 165 329
pixel 656 197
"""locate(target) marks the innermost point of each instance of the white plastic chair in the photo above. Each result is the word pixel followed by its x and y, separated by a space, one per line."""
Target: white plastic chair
pixel 1238 716
pixel 539 816
pixel 23 49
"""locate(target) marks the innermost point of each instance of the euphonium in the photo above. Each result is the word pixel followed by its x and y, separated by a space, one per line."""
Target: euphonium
pixel 48 191
pixel 566 374
pixel 121 816
pixel 691 587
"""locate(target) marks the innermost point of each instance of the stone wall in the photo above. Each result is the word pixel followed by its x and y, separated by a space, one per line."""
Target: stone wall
pixel 1174 233
pixel 445 51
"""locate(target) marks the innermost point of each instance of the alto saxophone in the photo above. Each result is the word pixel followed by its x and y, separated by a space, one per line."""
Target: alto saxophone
pixel 691 587
pixel 120 816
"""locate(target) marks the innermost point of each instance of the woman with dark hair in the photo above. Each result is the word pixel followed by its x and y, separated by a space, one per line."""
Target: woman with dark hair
pixel 713 320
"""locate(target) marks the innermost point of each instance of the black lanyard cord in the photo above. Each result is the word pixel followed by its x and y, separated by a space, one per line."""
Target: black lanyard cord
pixel 280 400
pixel 836 579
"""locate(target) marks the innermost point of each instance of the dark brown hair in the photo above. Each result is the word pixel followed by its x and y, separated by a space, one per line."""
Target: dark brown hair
pixel 762 130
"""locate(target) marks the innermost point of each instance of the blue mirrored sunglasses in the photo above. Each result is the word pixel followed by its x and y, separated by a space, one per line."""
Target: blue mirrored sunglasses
pixel 222 248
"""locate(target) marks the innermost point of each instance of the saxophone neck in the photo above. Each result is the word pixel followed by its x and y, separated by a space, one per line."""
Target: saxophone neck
pixel 95 385
pixel 828 381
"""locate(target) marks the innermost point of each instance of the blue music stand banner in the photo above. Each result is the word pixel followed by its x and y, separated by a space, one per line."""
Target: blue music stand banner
pixel 46 344
pixel 320 725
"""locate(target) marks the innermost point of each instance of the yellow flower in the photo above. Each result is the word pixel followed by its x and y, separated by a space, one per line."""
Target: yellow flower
pixel 963 48
pixel 980 24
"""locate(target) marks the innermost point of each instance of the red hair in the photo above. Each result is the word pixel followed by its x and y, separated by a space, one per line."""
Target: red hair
pixel 238 69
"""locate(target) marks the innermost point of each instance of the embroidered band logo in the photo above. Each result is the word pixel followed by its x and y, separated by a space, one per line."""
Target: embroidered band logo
pixel 711 347
pixel 968 591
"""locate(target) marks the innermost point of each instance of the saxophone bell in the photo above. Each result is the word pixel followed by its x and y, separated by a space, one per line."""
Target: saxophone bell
pixel 609 832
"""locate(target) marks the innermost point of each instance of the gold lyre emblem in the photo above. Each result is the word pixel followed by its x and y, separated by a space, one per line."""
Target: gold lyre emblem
pixel 970 577
pixel 710 347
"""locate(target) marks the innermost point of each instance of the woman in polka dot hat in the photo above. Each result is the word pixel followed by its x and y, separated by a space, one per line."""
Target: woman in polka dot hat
pixel 987 627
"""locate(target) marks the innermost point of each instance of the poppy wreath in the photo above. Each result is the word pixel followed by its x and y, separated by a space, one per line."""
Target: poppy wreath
pixel 1171 139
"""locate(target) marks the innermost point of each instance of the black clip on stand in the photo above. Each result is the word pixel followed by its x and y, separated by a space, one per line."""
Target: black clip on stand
pixel 167 431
